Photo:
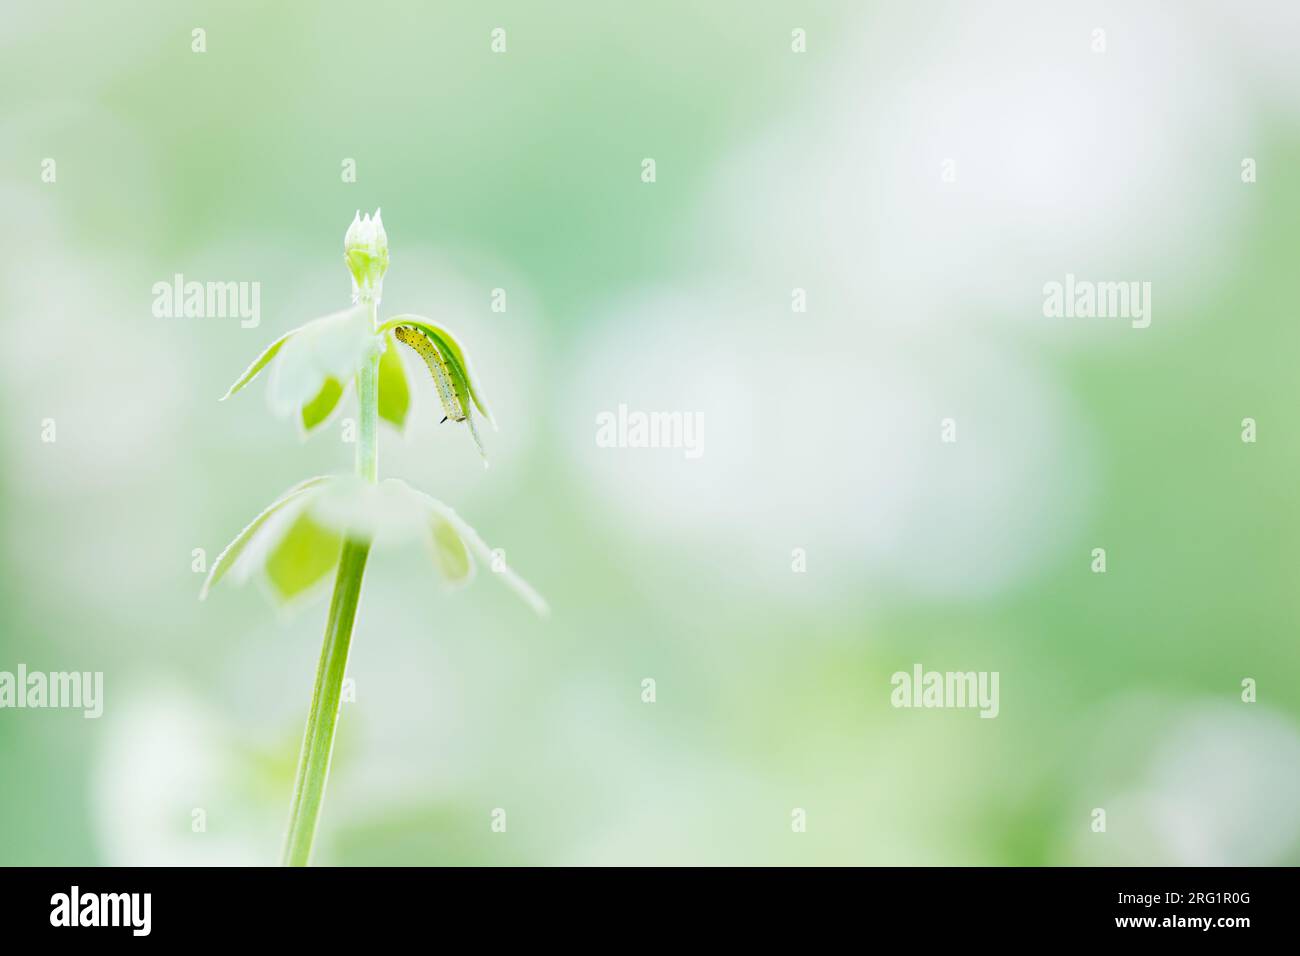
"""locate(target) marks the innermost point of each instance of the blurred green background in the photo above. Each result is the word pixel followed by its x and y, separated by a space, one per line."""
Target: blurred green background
pixel 776 170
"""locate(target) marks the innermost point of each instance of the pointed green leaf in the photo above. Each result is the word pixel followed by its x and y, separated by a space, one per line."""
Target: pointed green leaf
pixel 305 555
pixel 452 352
pixel 226 560
pixel 449 552
pixel 394 395
pixel 259 363
pixel 319 408
pixel 480 549
pixel 333 346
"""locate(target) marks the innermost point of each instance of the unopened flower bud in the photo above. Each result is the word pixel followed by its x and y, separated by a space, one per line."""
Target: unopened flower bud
pixel 365 250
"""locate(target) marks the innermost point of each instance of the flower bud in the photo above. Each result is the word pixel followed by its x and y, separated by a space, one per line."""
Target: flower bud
pixel 365 250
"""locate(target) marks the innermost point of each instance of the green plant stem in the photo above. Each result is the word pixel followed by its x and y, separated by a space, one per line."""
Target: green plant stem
pixel 318 740
pixel 368 398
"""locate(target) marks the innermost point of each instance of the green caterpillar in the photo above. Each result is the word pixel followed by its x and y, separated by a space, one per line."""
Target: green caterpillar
pixel 450 387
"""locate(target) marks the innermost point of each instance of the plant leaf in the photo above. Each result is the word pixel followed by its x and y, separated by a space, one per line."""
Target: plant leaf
pixel 306 554
pixel 335 346
pixel 452 352
pixel 480 549
pixel 449 552
pixel 357 509
pixel 319 408
pixel 259 363
pixel 227 558
pixel 394 394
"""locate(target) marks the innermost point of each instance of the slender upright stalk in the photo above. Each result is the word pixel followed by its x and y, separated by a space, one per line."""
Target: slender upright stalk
pixel 318 741
pixel 368 395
